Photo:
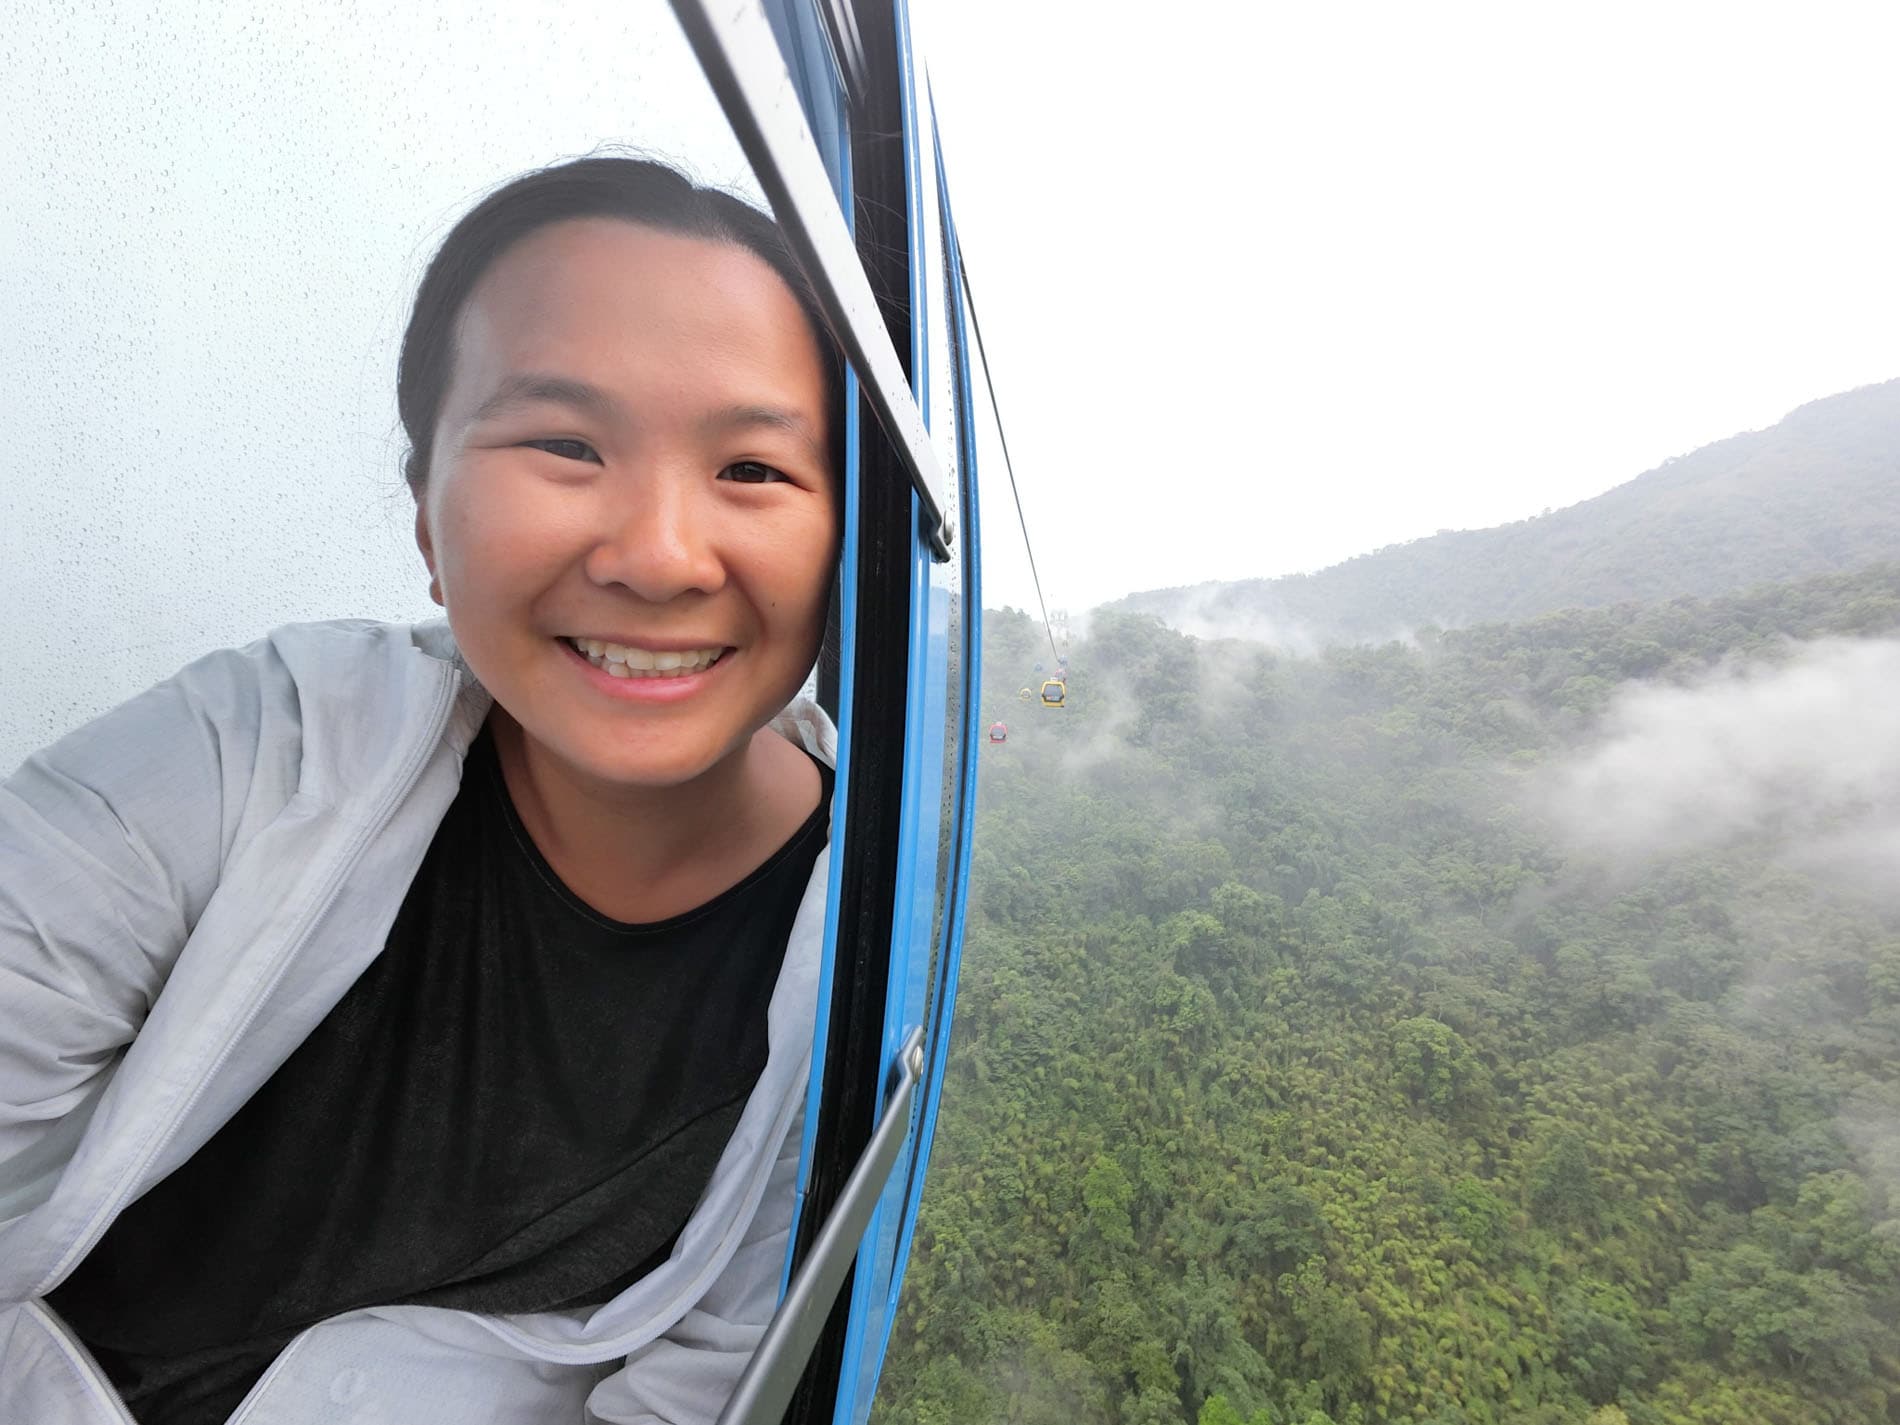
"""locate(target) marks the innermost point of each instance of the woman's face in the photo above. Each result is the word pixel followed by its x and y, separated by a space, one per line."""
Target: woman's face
pixel 630 514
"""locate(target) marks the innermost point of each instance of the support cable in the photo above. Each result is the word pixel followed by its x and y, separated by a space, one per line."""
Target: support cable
pixel 996 412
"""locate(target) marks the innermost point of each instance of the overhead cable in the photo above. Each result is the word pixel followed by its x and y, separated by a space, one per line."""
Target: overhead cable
pixel 996 412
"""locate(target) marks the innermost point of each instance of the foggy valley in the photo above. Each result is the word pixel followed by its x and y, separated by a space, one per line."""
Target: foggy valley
pixel 1475 998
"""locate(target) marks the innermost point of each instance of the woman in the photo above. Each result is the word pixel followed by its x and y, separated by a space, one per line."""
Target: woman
pixel 411 1024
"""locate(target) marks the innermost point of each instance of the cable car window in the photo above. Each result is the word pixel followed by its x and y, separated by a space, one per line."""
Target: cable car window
pixel 949 378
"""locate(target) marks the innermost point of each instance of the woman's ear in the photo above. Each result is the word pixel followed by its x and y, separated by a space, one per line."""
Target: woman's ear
pixel 426 543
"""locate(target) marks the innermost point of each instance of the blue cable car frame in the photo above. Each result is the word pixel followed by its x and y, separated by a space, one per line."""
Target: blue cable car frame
pixel 875 235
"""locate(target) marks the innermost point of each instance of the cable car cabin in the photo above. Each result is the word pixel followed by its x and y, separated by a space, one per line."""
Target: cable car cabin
pixel 827 103
pixel 1027 695
pixel 999 732
pixel 1055 693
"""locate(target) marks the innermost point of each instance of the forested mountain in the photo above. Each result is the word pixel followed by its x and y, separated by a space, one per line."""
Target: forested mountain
pixel 1817 493
pixel 1326 1055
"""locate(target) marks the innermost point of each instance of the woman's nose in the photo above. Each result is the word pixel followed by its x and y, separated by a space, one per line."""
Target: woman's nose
pixel 659 543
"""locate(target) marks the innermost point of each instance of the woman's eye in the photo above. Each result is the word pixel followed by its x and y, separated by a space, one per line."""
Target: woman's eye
pixel 566 449
pixel 751 472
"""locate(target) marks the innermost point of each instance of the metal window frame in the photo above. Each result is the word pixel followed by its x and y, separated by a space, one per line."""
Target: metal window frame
pixel 872 1096
pixel 949 946
pixel 854 1051
pixel 736 48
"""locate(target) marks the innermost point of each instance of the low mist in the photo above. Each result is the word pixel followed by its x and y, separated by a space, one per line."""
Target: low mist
pixel 1802 751
pixel 1214 613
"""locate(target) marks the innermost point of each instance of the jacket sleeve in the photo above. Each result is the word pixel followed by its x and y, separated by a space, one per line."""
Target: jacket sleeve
pixel 685 1376
pixel 110 844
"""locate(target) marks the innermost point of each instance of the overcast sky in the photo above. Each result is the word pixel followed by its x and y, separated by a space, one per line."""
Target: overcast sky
pixel 1265 287
pixel 1277 284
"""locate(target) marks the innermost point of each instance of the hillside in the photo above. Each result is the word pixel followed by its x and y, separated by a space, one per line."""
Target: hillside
pixel 1421 1034
pixel 1818 492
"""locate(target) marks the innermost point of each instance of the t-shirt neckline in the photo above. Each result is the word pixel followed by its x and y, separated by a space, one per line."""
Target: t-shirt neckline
pixel 485 763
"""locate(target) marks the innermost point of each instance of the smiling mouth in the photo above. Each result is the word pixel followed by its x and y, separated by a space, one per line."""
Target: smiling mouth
pixel 619 660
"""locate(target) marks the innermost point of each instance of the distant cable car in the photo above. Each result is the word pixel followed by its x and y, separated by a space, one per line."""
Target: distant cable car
pixel 999 732
pixel 1026 694
pixel 1055 693
pixel 1039 667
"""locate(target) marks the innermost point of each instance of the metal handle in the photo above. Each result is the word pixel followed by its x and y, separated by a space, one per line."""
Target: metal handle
pixel 773 1374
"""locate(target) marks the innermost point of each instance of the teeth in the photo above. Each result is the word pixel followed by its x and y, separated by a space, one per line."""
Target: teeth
pixel 621 660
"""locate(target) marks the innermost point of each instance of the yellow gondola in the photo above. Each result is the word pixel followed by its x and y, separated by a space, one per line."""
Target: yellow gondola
pixel 1055 693
pixel 1025 694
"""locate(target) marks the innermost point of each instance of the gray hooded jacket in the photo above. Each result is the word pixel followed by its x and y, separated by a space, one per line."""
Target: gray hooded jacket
pixel 187 886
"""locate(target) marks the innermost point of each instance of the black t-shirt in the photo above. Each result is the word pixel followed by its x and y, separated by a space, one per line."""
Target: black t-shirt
pixel 515 1108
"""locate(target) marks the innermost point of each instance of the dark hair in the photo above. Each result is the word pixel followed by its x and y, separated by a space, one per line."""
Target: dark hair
pixel 637 190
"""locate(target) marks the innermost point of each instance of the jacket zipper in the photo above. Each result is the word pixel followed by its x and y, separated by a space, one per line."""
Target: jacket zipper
pixel 83 1359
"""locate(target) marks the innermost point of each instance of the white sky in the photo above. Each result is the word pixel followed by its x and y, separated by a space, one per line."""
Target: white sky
pixel 1275 284
pixel 1265 287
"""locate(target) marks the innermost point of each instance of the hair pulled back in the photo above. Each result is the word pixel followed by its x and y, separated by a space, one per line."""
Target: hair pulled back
pixel 637 190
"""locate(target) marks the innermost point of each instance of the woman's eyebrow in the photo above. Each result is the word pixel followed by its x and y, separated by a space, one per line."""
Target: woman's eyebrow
pixel 753 417
pixel 525 388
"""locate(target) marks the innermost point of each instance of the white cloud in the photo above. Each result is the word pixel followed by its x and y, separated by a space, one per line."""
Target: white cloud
pixel 1804 752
